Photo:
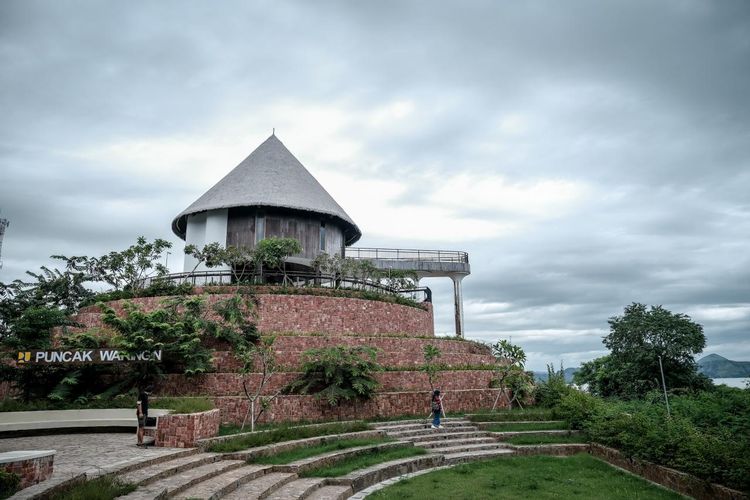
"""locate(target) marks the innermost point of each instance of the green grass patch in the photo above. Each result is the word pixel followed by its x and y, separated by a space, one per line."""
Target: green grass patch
pixel 101 488
pixel 285 433
pixel 534 426
pixel 512 415
pixel 363 461
pixel 558 439
pixel 580 477
pixel 183 405
pixel 310 451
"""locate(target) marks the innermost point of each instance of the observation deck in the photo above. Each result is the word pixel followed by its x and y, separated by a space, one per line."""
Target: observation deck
pixel 452 264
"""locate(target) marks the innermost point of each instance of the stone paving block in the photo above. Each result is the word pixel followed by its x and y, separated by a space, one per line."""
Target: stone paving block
pixel 183 480
pixel 160 470
pixel 299 488
pixel 262 486
pixel 225 483
pixel 333 492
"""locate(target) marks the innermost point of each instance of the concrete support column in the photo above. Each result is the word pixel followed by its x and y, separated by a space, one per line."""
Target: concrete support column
pixel 458 304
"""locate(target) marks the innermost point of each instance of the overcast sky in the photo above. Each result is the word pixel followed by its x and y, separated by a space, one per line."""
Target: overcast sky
pixel 586 154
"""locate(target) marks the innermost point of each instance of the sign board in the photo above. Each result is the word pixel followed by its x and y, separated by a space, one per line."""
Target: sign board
pixel 84 356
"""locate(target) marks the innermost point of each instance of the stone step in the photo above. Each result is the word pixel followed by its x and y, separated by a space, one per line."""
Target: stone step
pixel 428 431
pixel 261 487
pixel 484 425
pixel 181 481
pixel 221 485
pixel 332 457
pixel 439 434
pixel 299 488
pixel 415 421
pixel 470 456
pixel 362 478
pixel 507 435
pixel 443 443
pixel 459 448
pixel 146 475
pixel 332 492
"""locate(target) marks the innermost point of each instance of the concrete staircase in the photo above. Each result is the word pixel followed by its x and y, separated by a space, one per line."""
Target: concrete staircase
pixel 215 476
pixel 458 440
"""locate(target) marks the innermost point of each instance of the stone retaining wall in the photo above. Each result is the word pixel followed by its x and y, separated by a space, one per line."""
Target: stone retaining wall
pixel 309 314
pixel 182 431
pixel 296 408
pixel 230 384
pixel 674 480
pixel 33 468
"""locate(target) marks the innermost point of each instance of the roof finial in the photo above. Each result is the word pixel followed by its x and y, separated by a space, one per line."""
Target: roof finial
pixel 273 131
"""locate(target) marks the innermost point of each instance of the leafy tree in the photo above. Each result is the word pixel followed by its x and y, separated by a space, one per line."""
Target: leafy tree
pixel 237 325
pixel 258 357
pixel 211 255
pixel 176 328
pixel 129 268
pixel 510 375
pixel 431 367
pixel 273 252
pixel 637 340
pixel 338 373
pixel 550 392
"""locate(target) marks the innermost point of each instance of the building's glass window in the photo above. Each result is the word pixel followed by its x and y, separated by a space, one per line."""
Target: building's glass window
pixel 260 227
pixel 322 236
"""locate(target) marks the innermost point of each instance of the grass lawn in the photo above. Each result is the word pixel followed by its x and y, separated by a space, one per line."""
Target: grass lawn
pixel 535 426
pixel 539 477
pixel 363 461
pixel 559 439
pixel 310 451
pixel 101 488
pixel 513 415
pixel 280 434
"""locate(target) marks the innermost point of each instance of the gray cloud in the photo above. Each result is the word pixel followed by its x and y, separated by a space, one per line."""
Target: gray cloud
pixel 643 104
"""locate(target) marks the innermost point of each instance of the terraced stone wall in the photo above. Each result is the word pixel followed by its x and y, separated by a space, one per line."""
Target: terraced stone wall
pixel 311 314
pixel 384 404
pixel 182 431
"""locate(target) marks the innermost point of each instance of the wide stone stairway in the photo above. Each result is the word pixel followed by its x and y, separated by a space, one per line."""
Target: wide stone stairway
pixel 458 440
pixel 212 476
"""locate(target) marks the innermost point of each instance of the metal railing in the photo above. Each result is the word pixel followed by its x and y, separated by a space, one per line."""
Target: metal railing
pixel 407 254
pixel 298 279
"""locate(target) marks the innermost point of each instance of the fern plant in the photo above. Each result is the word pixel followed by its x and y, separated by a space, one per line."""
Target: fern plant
pixel 338 374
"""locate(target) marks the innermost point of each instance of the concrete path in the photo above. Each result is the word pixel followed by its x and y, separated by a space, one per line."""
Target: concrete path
pixel 84 453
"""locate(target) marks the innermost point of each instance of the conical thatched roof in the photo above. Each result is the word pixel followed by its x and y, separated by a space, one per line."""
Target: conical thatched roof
pixel 270 177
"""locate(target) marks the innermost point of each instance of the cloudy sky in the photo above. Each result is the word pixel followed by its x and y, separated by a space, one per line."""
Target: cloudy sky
pixel 586 154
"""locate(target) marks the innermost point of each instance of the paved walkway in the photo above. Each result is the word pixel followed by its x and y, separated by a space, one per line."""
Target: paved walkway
pixel 84 453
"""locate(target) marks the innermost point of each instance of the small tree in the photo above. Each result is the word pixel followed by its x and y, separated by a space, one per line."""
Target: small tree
pixel 431 367
pixel 338 373
pixel 273 252
pixel 257 358
pixel 510 375
pixel 211 255
pixel 128 269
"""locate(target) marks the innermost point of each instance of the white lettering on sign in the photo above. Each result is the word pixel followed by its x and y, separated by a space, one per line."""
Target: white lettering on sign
pixel 86 356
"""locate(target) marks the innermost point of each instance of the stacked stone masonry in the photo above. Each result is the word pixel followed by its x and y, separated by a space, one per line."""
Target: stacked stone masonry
pixel 310 314
pixel 31 471
pixel 302 322
pixel 182 431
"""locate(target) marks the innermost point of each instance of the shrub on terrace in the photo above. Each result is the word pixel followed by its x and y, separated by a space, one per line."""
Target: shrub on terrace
pixel 338 374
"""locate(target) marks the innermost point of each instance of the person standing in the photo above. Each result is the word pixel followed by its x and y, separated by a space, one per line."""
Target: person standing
pixel 141 411
pixel 436 405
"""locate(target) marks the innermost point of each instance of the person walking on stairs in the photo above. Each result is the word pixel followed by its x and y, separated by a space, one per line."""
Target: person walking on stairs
pixel 436 407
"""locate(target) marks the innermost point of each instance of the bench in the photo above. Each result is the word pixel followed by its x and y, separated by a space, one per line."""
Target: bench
pixel 19 423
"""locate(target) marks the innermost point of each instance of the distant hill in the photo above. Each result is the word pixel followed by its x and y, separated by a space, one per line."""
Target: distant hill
pixel 715 366
pixel 569 372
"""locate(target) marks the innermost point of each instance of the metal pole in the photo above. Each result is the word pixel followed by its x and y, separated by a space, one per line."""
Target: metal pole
pixel 664 386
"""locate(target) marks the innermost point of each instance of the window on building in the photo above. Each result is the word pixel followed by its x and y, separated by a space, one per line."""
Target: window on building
pixel 323 236
pixel 260 227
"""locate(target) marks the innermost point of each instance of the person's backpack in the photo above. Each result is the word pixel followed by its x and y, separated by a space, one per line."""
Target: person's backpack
pixel 435 406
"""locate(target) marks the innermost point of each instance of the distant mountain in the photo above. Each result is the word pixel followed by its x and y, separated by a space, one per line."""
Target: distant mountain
pixel 715 366
pixel 569 372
